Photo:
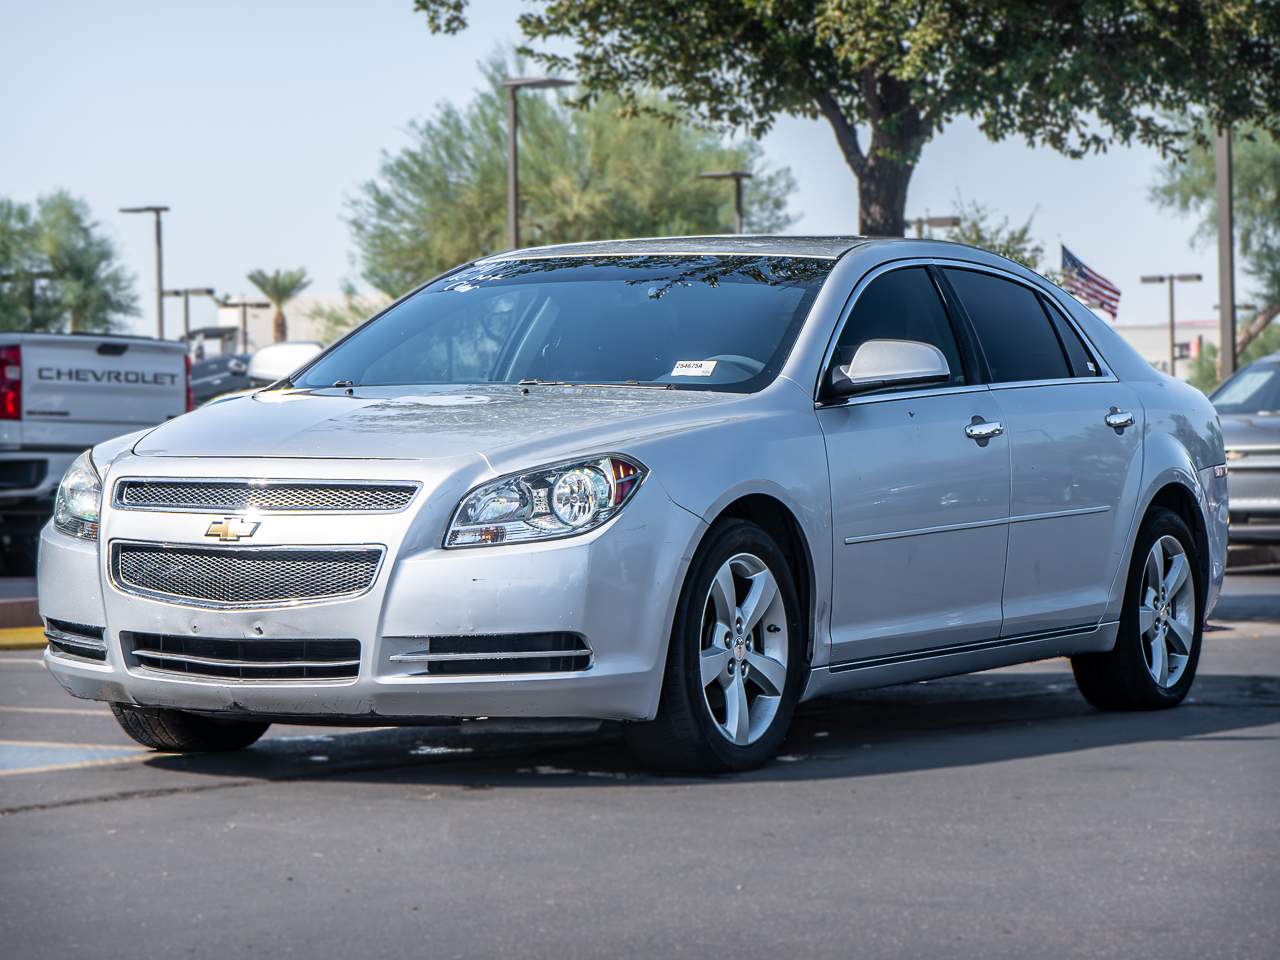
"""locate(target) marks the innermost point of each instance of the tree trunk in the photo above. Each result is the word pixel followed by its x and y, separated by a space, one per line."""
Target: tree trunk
pixel 1255 327
pixel 279 328
pixel 882 197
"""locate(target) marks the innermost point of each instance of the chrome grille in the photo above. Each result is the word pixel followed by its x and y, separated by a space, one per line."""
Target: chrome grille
pixel 253 659
pixel 281 496
pixel 75 639
pixel 243 576
pixel 490 653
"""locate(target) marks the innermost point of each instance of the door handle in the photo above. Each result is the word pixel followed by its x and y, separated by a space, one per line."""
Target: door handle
pixel 983 430
pixel 1118 419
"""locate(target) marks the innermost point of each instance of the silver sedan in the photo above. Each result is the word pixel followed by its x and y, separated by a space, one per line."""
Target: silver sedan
pixel 683 484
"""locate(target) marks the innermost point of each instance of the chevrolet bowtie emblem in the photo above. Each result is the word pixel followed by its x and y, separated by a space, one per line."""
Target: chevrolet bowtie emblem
pixel 231 529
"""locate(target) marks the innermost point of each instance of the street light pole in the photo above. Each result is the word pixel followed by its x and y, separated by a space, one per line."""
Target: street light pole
pixel 157 211
pixel 513 85
pixel 245 306
pixel 943 222
pixel 186 294
pixel 1226 258
pixel 1170 279
pixel 737 176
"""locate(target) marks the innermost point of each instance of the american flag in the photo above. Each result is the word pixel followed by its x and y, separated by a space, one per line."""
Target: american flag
pixel 1093 288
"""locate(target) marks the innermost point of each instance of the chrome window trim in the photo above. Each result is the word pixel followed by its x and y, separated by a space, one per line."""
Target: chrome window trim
pixel 917 394
pixel 119 482
pixel 189 602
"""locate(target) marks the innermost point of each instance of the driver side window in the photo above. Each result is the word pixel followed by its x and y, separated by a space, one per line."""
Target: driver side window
pixel 901 305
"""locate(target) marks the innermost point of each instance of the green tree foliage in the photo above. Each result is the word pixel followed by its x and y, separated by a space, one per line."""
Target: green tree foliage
pixel 58 272
pixel 1203 370
pixel 280 286
pixel 584 175
pixel 1189 184
pixel 980 228
pixel 887 75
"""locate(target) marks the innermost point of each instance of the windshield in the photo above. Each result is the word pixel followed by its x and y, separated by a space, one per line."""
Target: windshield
pixel 1255 389
pixel 694 322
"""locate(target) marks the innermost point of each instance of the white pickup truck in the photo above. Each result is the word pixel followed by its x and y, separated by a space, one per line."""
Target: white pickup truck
pixel 59 395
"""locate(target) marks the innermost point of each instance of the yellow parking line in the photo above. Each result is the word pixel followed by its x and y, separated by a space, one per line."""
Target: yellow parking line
pixel 81 764
pixel 63 743
pixel 73 711
pixel 22 638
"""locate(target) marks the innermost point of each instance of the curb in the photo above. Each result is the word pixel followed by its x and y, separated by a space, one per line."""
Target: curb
pixel 22 638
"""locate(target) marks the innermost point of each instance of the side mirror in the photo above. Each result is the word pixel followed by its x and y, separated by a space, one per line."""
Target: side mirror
pixel 888 363
pixel 238 367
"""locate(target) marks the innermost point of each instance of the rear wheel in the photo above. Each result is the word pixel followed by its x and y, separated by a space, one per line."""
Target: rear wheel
pixel 176 731
pixel 1157 649
pixel 735 663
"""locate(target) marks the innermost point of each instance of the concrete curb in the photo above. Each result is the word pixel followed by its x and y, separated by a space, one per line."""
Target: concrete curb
pixel 20 612
pixel 22 638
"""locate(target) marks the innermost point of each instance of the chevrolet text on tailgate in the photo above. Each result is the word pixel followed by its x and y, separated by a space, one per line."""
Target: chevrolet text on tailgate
pixel 61 393
pixel 679 483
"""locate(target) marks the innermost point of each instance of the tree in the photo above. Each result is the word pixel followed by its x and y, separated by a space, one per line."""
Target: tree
pixel 584 175
pixel 1074 74
pixel 280 287
pixel 1189 185
pixel 58 272
pixel 978 228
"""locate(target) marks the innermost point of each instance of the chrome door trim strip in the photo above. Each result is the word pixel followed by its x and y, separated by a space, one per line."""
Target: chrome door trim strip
pixel 977 524
pixel 933 653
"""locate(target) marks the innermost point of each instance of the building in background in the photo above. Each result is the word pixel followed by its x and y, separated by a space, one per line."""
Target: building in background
pixel 1152 341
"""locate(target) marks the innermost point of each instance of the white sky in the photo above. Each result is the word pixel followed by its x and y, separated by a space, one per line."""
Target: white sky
pixel 254 120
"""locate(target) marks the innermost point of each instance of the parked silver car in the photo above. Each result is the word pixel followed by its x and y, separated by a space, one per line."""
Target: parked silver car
pixel 1249 405
pixel 680 483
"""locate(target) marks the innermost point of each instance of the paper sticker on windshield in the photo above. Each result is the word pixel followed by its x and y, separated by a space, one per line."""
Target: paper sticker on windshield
pixel 694 368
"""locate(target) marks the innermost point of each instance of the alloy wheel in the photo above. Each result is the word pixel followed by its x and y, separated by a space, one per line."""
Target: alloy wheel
pixel 743 655
pixel 1167 611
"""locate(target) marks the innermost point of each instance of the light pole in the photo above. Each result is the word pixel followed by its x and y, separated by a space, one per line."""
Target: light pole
pixel 1170 279
pixel 737 176
pixel 942 222
pixel 159 263
pixel 186 294
pixel 245 306
pixel 514 84
pixel 1226 258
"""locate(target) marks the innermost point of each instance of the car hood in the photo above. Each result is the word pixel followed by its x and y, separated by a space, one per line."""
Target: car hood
pixel 427 424
pixel 1250 430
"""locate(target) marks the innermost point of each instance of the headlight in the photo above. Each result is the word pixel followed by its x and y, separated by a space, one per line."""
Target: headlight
pixel 545 504
pixel 79 499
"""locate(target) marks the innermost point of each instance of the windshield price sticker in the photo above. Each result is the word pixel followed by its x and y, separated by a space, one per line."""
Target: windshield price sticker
pixel 694 368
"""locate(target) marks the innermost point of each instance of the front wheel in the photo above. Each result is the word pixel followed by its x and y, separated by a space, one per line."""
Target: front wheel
pixel 175 731
pixel 735 663
pixel 1153 663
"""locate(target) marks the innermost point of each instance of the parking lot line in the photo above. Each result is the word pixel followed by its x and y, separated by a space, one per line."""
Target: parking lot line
pixel 73 711
pixel 41 756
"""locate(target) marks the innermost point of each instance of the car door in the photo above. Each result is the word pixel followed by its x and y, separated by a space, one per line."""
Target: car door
pixel 919 507
pixel 1075 440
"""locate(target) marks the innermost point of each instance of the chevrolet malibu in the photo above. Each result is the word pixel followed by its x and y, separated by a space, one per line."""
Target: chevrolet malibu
pixel 683 484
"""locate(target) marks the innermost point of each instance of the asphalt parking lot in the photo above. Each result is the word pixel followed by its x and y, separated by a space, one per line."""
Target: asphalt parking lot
pixel 995 815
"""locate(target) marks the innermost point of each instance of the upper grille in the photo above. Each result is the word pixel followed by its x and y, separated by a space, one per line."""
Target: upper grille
pixel 243 576
pixel 286 496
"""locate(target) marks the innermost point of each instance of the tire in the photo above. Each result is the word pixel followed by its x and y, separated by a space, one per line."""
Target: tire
pixel 702 731
pixel 1126 677
pixel 174 731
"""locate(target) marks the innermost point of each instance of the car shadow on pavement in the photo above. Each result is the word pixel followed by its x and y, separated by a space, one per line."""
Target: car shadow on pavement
pixel 964 721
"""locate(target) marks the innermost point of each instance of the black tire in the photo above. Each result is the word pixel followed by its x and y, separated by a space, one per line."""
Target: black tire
pixel 1120 679
pixel 175 731
pixel 683 737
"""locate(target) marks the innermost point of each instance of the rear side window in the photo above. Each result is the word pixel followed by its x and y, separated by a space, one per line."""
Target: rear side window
pixel 1016 336
pixel 901 305
pixel 1078 355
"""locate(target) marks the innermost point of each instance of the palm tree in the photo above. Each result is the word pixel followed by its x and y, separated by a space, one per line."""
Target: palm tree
pixel 280 287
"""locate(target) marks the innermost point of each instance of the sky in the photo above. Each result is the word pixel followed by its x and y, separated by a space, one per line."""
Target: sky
pixel 255 121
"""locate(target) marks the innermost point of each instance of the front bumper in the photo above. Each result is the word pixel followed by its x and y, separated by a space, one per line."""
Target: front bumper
pixel 615 586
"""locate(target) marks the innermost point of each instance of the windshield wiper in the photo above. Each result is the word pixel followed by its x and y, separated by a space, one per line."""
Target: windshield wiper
pixel 538 382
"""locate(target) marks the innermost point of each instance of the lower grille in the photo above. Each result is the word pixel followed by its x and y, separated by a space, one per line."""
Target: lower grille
pixel 243 659
pixel 492 654
pixel 243 576
pixel 76 639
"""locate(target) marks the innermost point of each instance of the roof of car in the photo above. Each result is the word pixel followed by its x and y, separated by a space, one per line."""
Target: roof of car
pixel 732 244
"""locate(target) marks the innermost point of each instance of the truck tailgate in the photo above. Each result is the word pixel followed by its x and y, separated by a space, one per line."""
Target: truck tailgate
pixel 80 390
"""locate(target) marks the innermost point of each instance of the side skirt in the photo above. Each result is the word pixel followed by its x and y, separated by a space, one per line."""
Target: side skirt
pixel 965 658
